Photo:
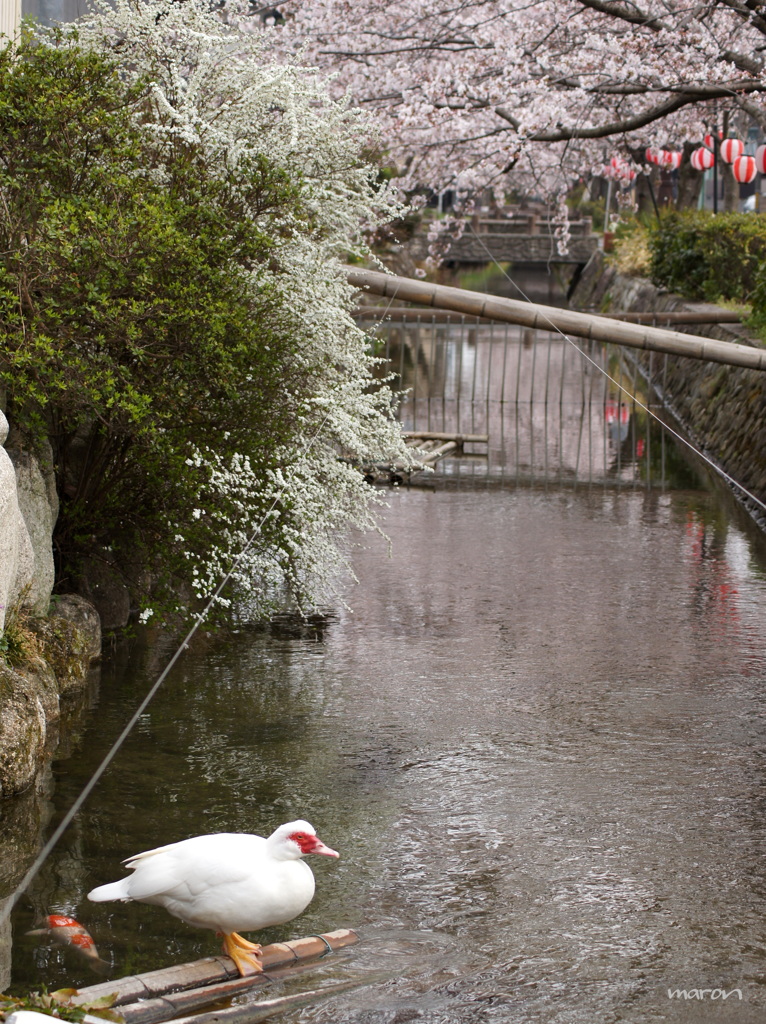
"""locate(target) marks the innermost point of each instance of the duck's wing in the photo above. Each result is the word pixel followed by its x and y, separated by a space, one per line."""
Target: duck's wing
pixel 194 865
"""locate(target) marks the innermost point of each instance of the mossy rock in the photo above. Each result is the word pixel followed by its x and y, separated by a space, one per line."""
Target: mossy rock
pixel 56 656
pixel 82 614
pixel 23 731
pixel 65 648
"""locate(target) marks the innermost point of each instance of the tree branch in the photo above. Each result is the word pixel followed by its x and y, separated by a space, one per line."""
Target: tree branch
pixel 752 110
pixel 743 62
pixel 616 10
pixel 688 96
pixel 748 11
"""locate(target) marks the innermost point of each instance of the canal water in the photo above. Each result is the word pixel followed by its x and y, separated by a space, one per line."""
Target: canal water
pixel 536 737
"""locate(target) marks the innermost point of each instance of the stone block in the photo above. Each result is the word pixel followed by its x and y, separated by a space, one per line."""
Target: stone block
pixel 82 614
pixel 23 731
pixel 39 515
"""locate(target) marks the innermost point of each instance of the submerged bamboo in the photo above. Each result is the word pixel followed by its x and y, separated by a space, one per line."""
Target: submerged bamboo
pixel 549 318
pixel 249 1013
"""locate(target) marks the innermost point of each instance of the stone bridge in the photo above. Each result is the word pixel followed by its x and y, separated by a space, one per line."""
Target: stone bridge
pixel 516 238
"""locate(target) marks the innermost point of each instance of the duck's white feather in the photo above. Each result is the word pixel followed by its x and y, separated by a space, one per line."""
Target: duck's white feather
pixel 230 882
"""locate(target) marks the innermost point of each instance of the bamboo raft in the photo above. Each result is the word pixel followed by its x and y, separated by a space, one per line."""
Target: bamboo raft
pixel 179 993
pixel 428 446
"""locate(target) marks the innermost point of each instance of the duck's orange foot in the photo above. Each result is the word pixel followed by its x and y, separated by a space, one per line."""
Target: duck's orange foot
pixel 243 953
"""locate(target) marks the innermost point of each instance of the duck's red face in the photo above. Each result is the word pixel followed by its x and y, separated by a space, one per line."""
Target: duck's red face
pixel 311 844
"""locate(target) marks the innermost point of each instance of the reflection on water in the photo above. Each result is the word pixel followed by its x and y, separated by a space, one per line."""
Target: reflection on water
pixel 537 742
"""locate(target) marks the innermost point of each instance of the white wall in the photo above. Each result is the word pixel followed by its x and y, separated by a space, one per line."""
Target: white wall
pixel 10 17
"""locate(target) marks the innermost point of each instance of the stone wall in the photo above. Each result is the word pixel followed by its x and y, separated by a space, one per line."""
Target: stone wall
pixel 721 408
pixel 60 650
pixel 55 642
pixel 16 554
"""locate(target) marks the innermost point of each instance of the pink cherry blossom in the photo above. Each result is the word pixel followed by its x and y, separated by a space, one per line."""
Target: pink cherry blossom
pixel 493 94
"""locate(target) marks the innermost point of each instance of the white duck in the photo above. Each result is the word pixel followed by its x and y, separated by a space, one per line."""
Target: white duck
pixel 229 882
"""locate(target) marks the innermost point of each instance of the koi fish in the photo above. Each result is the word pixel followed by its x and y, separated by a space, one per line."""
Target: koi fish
pixel 68 932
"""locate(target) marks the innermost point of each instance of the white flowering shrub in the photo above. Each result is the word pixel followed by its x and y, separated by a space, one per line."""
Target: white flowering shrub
pixel 259 471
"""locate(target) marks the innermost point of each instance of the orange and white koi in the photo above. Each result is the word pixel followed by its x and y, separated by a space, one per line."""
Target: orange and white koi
pixel 68 932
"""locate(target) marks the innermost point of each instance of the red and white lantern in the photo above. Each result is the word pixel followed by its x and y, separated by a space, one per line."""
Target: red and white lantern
pixel 760 159
pixel 702 159
pixel 670 159
pixel 709 140
pixel 731 149
pixel 652 155
pixel 618 169
pixel 744 169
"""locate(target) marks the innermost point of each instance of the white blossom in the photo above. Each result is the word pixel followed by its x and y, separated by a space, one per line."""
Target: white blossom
pixel 218 85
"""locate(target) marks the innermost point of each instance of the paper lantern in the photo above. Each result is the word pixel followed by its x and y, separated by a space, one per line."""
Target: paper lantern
pixel 652 155
pixel 618 169
pixel 744 169
pixel 670 159
pixel 731 149
pixel 760 159
pixel 709 140
pixel 702 159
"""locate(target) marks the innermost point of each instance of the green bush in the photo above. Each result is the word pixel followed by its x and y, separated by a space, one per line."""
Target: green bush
pixel 175 211
pixel 757 319
pixel 702 256
pixel 630 254
pixel 132 330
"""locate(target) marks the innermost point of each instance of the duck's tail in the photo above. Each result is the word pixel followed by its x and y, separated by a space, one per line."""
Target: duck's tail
pixel 110 891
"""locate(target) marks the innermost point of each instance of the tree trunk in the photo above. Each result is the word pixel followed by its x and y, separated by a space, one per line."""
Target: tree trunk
pixel 730 188
pixel 689 181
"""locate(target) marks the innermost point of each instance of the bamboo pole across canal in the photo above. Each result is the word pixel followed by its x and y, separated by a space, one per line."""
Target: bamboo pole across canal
pixel 549 318
pixel 172 992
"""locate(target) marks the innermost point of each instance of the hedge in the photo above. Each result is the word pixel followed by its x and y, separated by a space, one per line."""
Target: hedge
pixel 710 257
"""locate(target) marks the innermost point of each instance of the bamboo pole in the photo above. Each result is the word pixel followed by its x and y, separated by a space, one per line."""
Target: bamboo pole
pixel 405 314
pixel 169 1006
pixel 211 974
pixel 434 454
pixel 440 435
pixel 547 318
pixel 249 1013
pixel 676 316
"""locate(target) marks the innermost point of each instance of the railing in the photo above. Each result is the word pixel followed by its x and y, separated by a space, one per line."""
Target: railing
pixel 551 414
pixel 529 224
pixel 519 238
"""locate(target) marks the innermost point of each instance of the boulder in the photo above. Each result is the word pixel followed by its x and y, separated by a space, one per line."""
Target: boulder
pixel 38 505
pixel 23 731
pixel 16 554
pixel 80 613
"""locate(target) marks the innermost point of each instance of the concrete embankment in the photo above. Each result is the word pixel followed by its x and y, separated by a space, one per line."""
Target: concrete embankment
pixel 721 408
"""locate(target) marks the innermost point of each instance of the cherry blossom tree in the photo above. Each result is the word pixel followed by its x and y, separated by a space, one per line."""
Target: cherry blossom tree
pixel 532 93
